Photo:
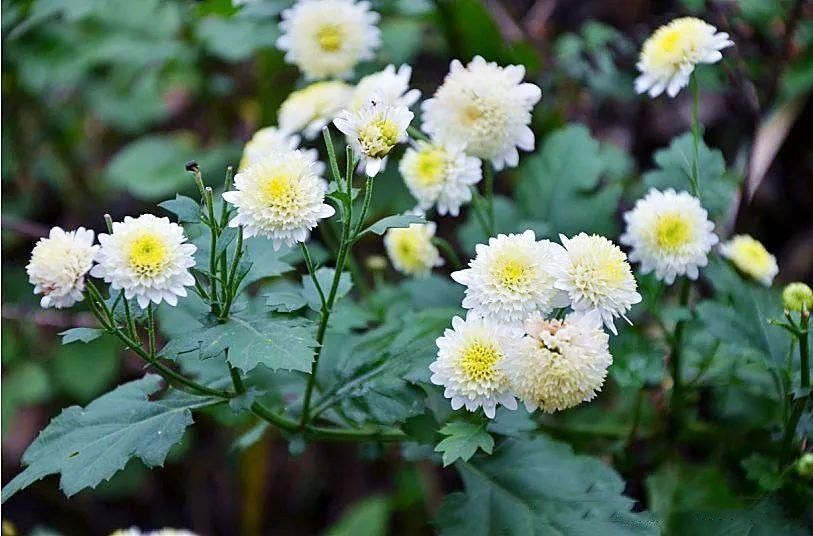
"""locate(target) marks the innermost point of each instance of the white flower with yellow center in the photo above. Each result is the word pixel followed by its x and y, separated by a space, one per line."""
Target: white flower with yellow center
pixel 280 197
pixel 751 258
pixel 388 86
pixel 411 250
pixel 512 277
pixel 669 233
pixel 487 108
pixel 58 266
pixel 308 110
pixel 469 364
pixel 273 140
pixel 669 56
pixel 596 276
pixel 559 364
pixel 440 174
pixel 327 38
pixel 148 258
pixel 374 130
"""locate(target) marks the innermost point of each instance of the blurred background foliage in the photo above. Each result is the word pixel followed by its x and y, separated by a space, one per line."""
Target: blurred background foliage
pixel 105 100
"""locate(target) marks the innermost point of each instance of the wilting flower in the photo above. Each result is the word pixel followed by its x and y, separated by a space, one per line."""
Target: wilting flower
pixel 280 197
pixel 596 276
pixel 512 277
pixel 797 297
pixel 751 258
pixel 469 364
pixel 669 233
pixel 374 130
pixel 487 108
pixel 58 266
pixel 148 258
pixel 273 140
pixel 388 86
pixel 440 174
pixel 310 109
pixel 411 250
pixel 328 37
pixel 559 364
pixel 669 56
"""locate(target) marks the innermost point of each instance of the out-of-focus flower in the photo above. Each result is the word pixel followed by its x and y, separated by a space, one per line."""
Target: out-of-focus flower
pixel 388 86
pixel 308 110
pixel 58 266
pixel 272 140
pixel 411 250
pixel 751 258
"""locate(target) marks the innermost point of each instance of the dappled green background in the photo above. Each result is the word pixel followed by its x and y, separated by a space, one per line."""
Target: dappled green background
pixel 105 100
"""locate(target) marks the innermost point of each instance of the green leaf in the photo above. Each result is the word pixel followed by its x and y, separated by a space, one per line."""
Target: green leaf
pixel 186 208
pixel 277 343
pixel 399 220
pixel 285 297
pixel 560 184
pixel 87 446
pixel 235 38
pixel 80 334
pixel 464 438
pixel 365 518
pixel 85 371
pixel 325 278
pixel 533 487
pixel 765 518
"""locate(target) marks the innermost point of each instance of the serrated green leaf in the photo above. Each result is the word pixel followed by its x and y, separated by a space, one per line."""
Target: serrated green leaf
pixel 464 438
pixel 185 208
pixel 325 278
pixel 365 518
pixel 285 298
pixel 399 220
pixel 87 446
pixel 80 334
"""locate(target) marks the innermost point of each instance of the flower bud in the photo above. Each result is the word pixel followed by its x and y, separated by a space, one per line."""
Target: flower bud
pixel 804 465
pixel 797 297
pixel 376 263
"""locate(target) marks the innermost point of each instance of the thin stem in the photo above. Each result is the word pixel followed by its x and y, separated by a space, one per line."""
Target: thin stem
pixel 448 250
pixel 695 179
pixel 331 153
pixel 804 361
pixel 231 275
pixel 676 416
pixel 224 209
pixel 417 134
pixel 368 197
pixel 488 172
pixel 309 265
pixel 236 380
pixel 131 328
pixel 151 329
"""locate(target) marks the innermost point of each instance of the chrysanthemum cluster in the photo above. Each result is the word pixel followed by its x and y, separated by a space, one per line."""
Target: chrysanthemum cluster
pixel 534 326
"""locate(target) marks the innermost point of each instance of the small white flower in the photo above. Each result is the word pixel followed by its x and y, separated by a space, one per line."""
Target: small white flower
pixel 669 233
pixel 374 130
pixel 148 258
pixel 388 86
pixel 669 56
pixel 411 250
pixel 280 197
pixel 469 364
pixel 327 38
pixel 58 266
pixel 440 173
pixel 512 277
pixel 308 110
pixel 487 108
pixel 559 364
pixel 751 258
pixel 597 276
pixel 273 140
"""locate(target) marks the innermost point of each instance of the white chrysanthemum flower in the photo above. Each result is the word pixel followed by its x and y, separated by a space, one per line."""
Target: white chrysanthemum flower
pixel 387 86
pixel 440 173
pixel 58 266
pixel 669 233
pixel 751 258
pixel 559 364
pixel 597 276
pixel 512 277
pixel 308 110
pixel 411 250
pixel 281 198
pixel 469 364
pixel 134 531
pixel 148 258
pixel 670 54
pixel 374 130
pixel 327 38
pixel 273 140
pixel 487 108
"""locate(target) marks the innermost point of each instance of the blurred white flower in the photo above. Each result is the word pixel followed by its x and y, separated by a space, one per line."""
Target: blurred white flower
pixel 440 174
pixel 485 107
pixel 669 56
pixel 280 197
pixel 597 276
pixel 273 140
pixel 327 38
pixel 148 258
pixel 469 364
pixel 309 109
pixel 669 233
pixel 751 258
pixel 411 250
pixel 388 86
pixel 58 266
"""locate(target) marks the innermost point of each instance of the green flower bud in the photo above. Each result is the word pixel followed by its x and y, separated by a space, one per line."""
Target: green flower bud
pixel 797 297
pixel 804 465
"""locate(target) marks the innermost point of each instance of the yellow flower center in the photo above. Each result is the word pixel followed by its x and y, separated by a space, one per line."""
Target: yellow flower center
pixel 147 255
pixel 512 274
pixel 672 232
pixel 429 167
pixel 329 37
pixel 478 361
pixel 750 254
pixel 378 137
pixel 278 190
pixel 472 113
pixel 669 40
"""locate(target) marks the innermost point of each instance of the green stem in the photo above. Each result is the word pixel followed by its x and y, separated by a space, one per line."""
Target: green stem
pixel 309 265
pixel 213 231
pixel 804 361
pixel 331 153
pixel 231 275
pixel 151 329
pixel 448 250
pixel 676 415
pixel 695 136
pixel 236 380
pixel 131 328
pixel 417 134
pixel 368 197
